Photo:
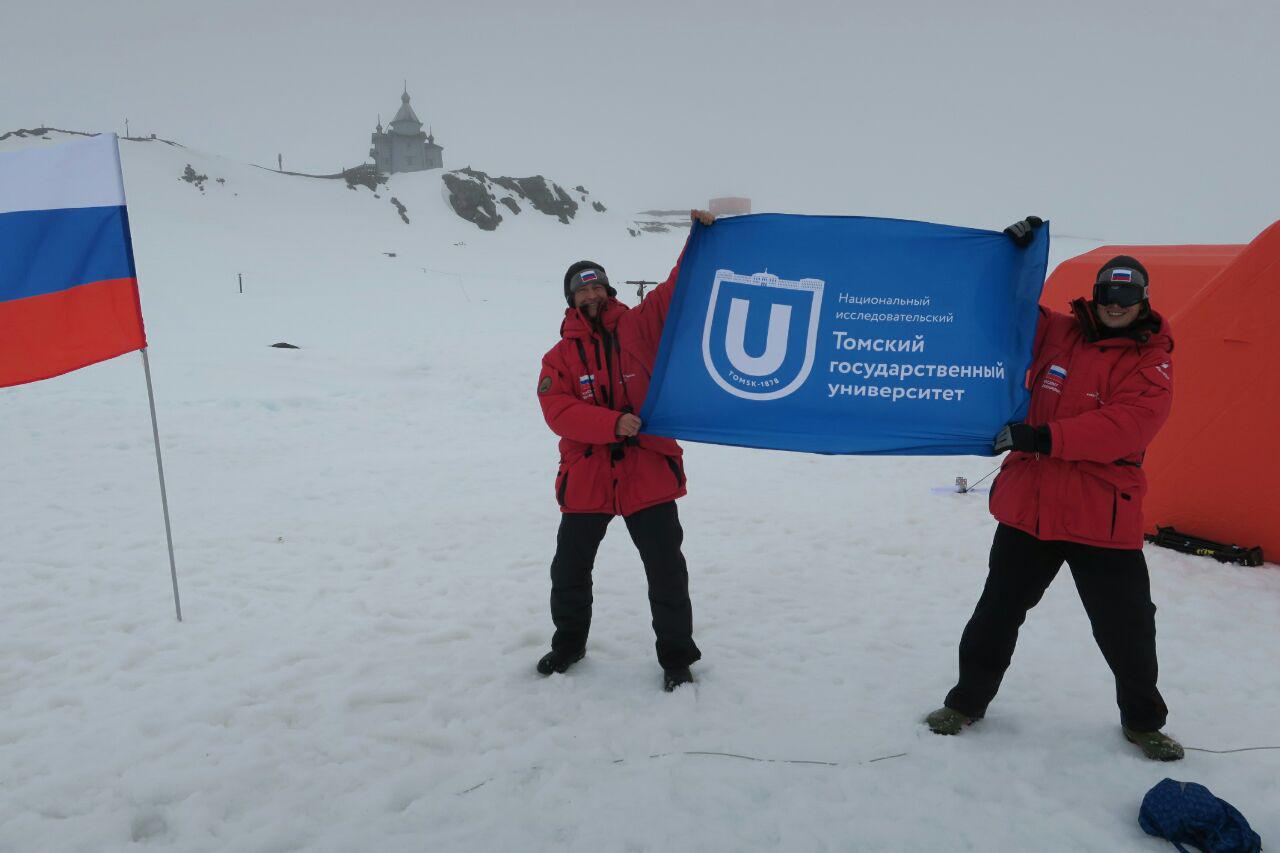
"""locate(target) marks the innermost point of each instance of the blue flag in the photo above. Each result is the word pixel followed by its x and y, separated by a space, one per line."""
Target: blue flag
pixel 833 334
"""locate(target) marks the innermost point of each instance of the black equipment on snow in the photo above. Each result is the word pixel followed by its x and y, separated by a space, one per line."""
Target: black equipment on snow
pixel 1167 537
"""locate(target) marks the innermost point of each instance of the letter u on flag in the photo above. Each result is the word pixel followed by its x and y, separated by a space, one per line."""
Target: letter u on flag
pixel 68 286
pixel 847 334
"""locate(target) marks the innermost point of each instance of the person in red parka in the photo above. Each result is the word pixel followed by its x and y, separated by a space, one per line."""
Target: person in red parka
pixel 591 385
pixel 1071 491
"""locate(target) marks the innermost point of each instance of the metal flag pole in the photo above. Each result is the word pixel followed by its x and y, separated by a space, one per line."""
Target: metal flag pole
pixel 164 497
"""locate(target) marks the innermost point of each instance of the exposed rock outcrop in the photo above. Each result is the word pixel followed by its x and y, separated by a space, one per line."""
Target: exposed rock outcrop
pixel 475 197
pixel 191 176
pixel 471 200
pixel 400 208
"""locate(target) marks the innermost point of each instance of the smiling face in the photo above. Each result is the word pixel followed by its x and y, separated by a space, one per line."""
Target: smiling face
pixel 1117 316
pixel 591 299
pixel 1120 292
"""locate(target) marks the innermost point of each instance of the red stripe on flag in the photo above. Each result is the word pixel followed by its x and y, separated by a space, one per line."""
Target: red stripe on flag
pixel 56 333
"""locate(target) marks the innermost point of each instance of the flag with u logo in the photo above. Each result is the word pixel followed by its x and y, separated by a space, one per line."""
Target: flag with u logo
pixel 833 334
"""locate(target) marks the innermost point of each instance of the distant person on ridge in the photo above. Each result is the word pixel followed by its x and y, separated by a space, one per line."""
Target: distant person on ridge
pixel 591 385
pixel 1071 491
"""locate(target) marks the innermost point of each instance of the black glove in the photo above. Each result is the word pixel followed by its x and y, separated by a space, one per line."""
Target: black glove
pixel 1023 231
pixel 1024 437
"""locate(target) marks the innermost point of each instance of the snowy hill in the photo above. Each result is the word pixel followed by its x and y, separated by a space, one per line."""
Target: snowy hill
pixel 363 531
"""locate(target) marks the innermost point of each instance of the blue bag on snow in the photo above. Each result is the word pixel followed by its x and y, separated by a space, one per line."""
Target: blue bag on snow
pixel 1184 812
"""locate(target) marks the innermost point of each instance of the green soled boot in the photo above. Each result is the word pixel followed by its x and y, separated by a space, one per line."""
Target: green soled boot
pixel 1155 745
pixel 946 721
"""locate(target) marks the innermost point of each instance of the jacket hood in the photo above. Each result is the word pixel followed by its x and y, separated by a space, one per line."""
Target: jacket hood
pixel 1150 329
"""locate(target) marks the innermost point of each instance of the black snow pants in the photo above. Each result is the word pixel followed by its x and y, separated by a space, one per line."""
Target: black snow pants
pixel 657 535
pixel 1116 592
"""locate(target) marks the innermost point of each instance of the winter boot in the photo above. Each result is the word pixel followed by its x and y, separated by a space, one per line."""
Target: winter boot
pixel 947 721
pixel 559 660
pixel 674 677
pixel 1157 746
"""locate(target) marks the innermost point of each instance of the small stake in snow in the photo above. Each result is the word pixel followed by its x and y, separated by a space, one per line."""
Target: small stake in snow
pixel 963 486
pixel 240 276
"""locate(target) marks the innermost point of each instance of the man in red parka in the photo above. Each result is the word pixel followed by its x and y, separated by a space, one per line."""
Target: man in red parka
pixel 1071 491
pixel 591 385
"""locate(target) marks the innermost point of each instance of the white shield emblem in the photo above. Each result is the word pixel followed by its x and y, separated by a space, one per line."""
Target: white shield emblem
pixel 761 333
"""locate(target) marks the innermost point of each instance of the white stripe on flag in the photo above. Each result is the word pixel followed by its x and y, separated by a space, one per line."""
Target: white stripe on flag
pixel 83 173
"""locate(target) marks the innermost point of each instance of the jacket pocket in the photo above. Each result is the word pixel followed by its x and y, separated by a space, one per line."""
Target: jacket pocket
pixel 562 486
pixel 1128 526
pixel 1013 498
pixel 584 484
pixel 1075 402
pixel 1089 506
pixel 677 470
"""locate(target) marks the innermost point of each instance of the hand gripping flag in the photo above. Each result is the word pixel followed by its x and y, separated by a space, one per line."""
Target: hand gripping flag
pixel 835 334
pixel 68 287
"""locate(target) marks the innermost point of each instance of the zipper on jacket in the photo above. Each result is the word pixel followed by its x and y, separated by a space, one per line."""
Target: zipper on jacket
pixel 622 373
pixel 1113 513
pixel 608 366
pixel 591 380
pixel 564 485
pixel 613 472
pixel 1039 496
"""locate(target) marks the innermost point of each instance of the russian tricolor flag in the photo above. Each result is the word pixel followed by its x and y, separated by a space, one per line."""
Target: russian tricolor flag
pixel 68 287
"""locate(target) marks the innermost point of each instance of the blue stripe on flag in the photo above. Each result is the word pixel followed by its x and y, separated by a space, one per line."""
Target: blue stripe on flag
pixel 46 251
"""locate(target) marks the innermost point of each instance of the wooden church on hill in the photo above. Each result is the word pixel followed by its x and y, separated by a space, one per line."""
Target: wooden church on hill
pixel 403 147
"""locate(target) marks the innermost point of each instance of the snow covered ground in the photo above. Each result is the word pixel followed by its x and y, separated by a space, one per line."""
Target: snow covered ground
pixel 363 532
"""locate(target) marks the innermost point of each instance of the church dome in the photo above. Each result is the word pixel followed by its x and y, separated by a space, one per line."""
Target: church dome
pixel 406 120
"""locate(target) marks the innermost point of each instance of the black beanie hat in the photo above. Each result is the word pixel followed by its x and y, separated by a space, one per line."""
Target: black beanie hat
pixel 1139 277
pixel 571 282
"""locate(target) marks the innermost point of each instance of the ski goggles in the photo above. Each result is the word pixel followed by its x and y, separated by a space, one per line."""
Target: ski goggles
pixel 1120 286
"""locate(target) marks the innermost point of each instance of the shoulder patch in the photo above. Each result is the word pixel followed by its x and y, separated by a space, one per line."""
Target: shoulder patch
pixel 545 385
pixel 1160 373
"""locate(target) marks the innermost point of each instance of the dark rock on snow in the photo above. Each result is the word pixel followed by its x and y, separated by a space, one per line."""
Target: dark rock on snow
pixel 475 196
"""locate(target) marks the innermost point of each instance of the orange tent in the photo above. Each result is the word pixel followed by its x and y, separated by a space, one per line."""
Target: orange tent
pixel 1214 469
pixel 1177 274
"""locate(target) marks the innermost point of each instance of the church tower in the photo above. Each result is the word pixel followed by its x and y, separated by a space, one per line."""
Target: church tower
pixel 403 147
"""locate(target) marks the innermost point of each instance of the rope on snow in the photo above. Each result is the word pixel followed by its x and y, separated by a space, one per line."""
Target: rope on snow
pixel 1227 751
pixel 836 764
pixel 724 755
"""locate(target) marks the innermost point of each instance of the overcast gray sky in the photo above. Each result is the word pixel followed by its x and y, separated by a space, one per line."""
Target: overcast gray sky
pixel 1151 121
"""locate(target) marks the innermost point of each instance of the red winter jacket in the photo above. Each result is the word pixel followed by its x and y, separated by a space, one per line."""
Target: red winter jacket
pixel 587 379
pixel 1103 401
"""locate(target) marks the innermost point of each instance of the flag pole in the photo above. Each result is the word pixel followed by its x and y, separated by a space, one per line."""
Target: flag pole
pixel 164 497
